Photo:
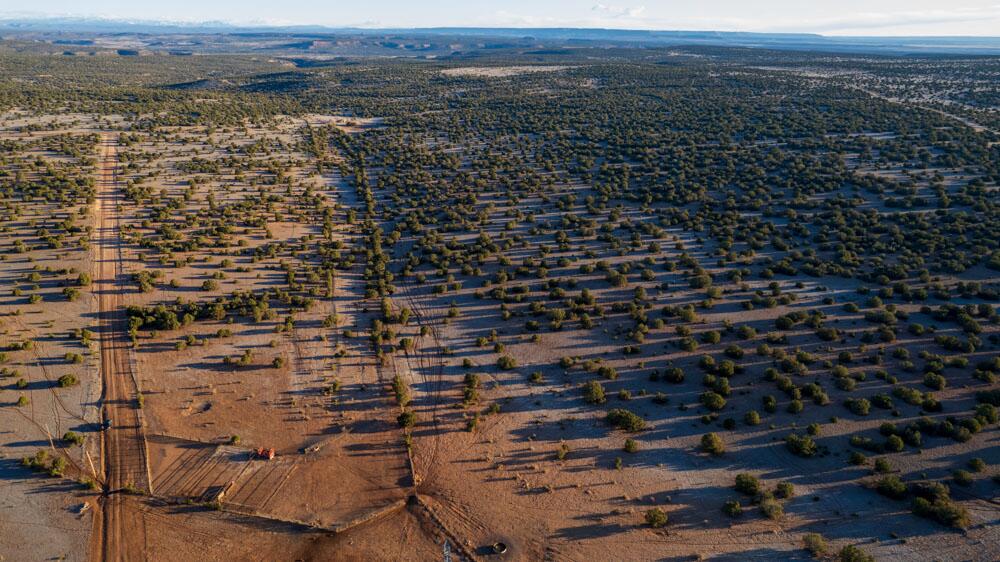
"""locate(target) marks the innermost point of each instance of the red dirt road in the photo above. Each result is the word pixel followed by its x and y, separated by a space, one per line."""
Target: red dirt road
pixel 124 459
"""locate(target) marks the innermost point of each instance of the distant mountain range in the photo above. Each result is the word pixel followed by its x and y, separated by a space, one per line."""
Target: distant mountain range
pixel 12 27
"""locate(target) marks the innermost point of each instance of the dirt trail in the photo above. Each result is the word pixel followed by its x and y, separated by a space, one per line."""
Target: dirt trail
pixel 979 128
pixel 914 104
pixel 124 459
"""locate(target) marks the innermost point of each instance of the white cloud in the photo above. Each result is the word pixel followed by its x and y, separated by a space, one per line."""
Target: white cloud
pixel 983 20
pixel 613 17
pixel 618 11
pixel 832 17
pixel 873 21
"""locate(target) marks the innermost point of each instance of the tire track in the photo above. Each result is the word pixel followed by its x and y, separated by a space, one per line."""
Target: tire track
pixel 124 458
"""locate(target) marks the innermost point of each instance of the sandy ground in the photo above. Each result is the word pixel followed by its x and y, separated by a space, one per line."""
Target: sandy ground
pixel 197 409
pixel 344 486
pixel 41 517
pixel 500 71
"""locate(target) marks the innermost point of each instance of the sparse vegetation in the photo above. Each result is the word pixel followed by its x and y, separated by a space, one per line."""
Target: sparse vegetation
pixel 656 518
pixel 774 264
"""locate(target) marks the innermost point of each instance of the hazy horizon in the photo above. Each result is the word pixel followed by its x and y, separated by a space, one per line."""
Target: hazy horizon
pixel 886 18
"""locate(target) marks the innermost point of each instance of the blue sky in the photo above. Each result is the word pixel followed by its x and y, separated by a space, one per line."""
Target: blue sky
pixel 834 17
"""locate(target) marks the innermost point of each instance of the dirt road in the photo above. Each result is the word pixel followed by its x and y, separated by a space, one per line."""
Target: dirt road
pixel 124 459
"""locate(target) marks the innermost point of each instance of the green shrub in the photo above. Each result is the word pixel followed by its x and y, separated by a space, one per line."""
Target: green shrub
pixel 562 451
pixel 935 381
pixel 772 508
pixel 962 477
pixel 593 392
pixel 406 419
pixel 854 554
pixel 732 508
pixel 933 501
pixel 625 420
pixel 506 362
pixel 815 544
pixel 747 484
pixel 892 487
pixel 73 438
pixel 859 406
pixel 713 401
pixel 802 446
pixel 401 390
pixel 977 465
pixel 656 518
pixel 893 444
pixel 711 443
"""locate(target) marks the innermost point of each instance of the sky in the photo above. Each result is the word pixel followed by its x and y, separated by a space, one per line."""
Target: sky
pixel 828 17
